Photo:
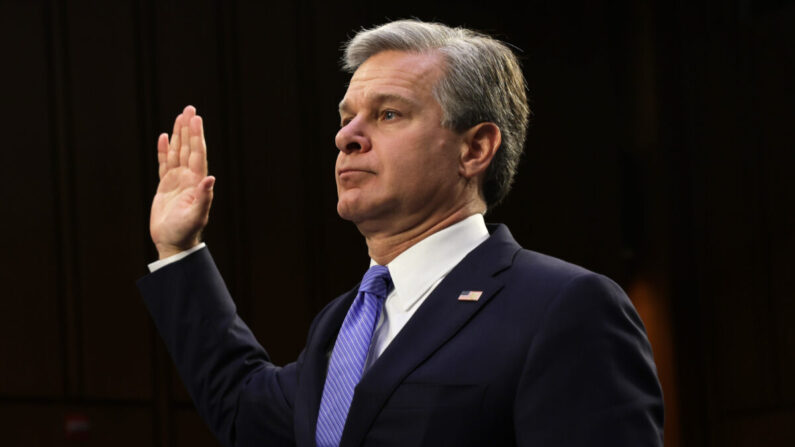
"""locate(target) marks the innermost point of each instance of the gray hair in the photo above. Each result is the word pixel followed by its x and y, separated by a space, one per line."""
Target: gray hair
pixel 483 82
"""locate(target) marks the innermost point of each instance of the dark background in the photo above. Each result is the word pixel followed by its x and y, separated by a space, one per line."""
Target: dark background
pixel 659 153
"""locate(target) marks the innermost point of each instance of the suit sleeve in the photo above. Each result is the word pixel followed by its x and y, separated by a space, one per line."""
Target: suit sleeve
pixel 243 397
pixel 589 378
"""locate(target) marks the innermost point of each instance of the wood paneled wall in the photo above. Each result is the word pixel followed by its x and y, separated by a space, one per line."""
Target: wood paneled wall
pixel 659 154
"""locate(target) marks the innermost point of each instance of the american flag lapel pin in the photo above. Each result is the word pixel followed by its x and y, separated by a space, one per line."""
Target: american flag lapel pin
pixel 470 295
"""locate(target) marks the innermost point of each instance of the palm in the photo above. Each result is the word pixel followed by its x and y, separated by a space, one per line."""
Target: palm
pixel 181 205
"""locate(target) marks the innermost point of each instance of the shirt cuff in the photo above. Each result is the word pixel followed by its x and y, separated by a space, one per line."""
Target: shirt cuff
pixel 174 258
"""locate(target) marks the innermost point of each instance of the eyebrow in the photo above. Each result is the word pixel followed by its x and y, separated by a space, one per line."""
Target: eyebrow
pixel 380 99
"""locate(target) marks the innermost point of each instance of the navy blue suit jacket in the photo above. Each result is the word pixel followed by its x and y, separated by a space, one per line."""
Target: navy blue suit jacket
pixel 550 355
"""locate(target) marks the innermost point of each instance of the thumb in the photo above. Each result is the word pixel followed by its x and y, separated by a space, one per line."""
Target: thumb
pixel 204 194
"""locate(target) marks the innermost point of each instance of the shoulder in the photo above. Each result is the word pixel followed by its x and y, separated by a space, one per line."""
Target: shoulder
pixel 549 285
pixel 556 276
pixel 547 275
pixel 570 303
pixel 589 348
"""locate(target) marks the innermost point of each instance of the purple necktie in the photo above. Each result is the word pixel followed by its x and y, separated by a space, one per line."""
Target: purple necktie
pixel 349 354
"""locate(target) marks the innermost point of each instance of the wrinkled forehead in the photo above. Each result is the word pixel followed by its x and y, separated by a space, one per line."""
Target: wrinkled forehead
pixel 410 63
pixel 397 73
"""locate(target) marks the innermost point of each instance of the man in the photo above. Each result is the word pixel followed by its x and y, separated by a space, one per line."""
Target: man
pixel 456 336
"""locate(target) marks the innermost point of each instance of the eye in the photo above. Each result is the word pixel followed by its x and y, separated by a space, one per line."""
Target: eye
pixel 344 122
pixel 389 115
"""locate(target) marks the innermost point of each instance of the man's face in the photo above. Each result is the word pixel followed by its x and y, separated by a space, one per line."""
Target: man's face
pixel 397 165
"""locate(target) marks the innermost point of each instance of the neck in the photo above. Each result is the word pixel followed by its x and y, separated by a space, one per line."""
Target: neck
pixel 383 247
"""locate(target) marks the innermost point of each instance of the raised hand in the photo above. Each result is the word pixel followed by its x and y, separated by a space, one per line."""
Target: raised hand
pixel 181 206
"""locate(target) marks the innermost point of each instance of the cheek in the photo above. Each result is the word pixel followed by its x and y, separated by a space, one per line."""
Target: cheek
pixel 441 161
pixel 416 175
pixel 419 161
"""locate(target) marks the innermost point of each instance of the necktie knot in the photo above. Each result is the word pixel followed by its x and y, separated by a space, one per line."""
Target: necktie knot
pixel 376 281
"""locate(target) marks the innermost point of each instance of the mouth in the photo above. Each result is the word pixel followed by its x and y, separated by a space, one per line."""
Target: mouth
pixel 352 171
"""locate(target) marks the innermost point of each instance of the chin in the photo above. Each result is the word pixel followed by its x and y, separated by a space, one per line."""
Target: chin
pixel 346 210
pixel 342 212
pixel 349 205
pixel 361 209
pixel 355 212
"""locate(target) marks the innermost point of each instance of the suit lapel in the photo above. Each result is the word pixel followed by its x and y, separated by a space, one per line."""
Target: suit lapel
pixel 437 320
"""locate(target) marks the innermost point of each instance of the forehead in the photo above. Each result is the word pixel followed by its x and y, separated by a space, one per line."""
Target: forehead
pixel 395 74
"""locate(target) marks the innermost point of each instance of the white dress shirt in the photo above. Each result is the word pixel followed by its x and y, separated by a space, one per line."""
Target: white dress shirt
pixel 415 273
pixel 174 258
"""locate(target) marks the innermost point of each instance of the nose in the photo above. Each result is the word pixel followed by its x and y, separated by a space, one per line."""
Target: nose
pixel 352 137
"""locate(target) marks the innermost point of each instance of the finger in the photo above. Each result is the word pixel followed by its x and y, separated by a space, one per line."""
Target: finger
pixel 197 161
pixel 177 127
pixel 162 154
pixel 184 151
pixel 184 139
pixel 172 158
pixel 204 197
pixel 173 143
pixel 189 112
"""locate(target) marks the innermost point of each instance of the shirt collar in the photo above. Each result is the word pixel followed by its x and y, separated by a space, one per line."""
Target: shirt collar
pixel 420 267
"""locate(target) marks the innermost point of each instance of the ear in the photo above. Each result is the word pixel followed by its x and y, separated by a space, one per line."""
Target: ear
pixel 479 146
